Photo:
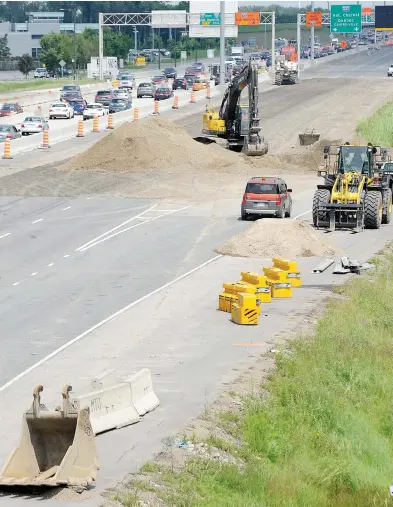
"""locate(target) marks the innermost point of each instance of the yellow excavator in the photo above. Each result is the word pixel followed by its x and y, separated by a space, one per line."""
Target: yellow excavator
pixel 238 123
pixel 356 193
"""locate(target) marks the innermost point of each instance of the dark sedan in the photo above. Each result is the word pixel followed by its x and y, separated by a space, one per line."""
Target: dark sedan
pixel 156 80
pixel 9 109
pixel 190 78
pixel 170 73
pixel 163 93
pixel 180 83
pixel 117 105
pixel 78 105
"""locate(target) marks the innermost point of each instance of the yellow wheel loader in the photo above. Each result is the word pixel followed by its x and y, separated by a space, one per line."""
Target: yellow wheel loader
pixel 238 123
pixel 356 193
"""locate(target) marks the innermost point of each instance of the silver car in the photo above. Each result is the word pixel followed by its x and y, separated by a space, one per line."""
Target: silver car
pixel 121 94
pixel 34 125
pixel 9 132
pixel 145 90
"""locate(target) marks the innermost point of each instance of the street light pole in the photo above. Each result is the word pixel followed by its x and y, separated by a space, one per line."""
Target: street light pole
pixel 74 43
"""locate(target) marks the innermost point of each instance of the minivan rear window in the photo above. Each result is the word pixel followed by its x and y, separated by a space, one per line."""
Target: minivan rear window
pixel 262 188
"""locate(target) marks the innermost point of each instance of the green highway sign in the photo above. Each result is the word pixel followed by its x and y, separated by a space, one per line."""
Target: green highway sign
pixel 210 19
pixel 346 18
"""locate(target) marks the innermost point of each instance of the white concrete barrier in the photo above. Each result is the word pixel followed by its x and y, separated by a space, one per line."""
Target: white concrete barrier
pixel 144 398
pixel 110 408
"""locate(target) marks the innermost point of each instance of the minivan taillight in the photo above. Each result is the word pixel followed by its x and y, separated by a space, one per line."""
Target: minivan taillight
pixel 245 197
pixel 278 201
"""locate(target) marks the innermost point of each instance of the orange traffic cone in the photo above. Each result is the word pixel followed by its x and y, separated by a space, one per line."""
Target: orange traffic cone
pixel 156 107
pixel 45 140
pixel 208 92
pixel 192 101
pixel 175 102
pixel 7 149
pixel 80 132
pixel 110 121
pixel 136 114
pixel 96 126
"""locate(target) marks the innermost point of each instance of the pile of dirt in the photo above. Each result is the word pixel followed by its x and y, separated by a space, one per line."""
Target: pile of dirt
pixel 278 238
pixel 154 145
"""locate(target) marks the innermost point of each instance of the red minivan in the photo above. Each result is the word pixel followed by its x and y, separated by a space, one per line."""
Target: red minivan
pixel 266 196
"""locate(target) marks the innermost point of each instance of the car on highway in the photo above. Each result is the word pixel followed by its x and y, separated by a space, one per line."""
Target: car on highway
pixel 94 109
pixel 10 108
pixel 41 73
pixel 127 81
pixel 163 93
pixel 191 71
pixel 156 80
pixel 70 95
pixel 103 97
pixel 76 89
pixel 61 110
pixel 34 125
pixel 78 105
pixel 199 66
pixel 266 196
pixel 117 105
pixel 190 78
pixel 145 90
pixel 180 83
pixel 121 94
pixel 390 71
pixel 170 73
pixel 9 132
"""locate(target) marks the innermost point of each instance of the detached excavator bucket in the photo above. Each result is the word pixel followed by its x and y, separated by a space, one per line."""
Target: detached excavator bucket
pixel 56 448
pixel 308 138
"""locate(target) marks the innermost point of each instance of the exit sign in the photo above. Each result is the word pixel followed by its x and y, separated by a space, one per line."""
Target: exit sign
pixel 346 18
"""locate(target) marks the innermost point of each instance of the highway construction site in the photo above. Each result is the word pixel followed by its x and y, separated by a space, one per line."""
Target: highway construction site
pixel 141 230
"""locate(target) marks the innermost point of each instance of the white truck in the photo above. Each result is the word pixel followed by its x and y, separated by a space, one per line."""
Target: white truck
pixel 237 51
pixel 390 71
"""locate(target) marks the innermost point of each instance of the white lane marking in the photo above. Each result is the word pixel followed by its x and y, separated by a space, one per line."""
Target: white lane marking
pixel 33 274
pixel 301 214
pixel 149 219
pixel 16 283
pixel 105 321
pixel 36 221
pixel 68 207
pixel 5 235
pixel 65 256
pixel 51 264
pixel 114 228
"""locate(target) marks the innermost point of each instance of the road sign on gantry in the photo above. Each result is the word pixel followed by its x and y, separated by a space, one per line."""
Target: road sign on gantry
pixel 314 18
pixel 346 18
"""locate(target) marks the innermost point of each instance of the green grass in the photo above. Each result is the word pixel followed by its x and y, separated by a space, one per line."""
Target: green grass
pixel 286 30
pixel 37 84
pixel 378 128
pixel 324 435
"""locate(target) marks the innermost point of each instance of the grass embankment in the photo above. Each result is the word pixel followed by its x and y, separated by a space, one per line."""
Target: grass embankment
pixel 324 435
pixel 378 128
pixel 37 84
pixel 285 30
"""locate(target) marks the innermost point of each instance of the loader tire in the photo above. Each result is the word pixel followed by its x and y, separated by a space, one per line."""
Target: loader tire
pixel 278 80
pixel 387 207
pixel 293 79
pixel 373 209
pixel 321 196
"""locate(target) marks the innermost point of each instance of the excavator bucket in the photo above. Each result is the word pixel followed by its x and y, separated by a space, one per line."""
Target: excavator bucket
pixel 255 147
pixel 308 138
pixel 55 449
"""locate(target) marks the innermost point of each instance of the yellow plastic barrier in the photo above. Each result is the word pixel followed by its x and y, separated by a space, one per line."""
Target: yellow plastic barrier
pixel 290 267
pixel 231 295
pixel 277 279
pixel 263 289
pixel 246 310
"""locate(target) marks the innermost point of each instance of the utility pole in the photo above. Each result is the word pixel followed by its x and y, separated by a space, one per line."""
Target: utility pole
pixel 74 10
pixel 312 36
pixel 222 43
pixel 135 39
pixel 175 47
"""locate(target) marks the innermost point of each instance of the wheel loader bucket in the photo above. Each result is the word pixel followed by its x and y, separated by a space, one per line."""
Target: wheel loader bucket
pixel 308 138
pixel 55 449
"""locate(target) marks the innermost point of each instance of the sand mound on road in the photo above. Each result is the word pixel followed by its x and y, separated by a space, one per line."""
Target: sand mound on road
pixel 281 238
pixel 153 145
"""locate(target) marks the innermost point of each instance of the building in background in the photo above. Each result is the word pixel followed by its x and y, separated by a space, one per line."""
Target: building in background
pixel 25 37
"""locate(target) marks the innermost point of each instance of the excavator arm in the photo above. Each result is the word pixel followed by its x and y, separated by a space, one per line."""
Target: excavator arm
pixel 240 121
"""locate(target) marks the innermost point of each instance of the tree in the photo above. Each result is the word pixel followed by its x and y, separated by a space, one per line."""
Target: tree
pixel 5 52
pixel 56 47
pixel 116 43
pixel 26 64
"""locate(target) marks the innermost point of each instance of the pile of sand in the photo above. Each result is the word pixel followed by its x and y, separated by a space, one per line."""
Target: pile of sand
pixel 281 238
pixel 154 145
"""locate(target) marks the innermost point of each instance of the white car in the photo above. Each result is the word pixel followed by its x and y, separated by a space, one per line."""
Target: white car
pixel 92 110
pixel 121 94
pixel 390 71
pixel 61 110
pixel 34 125
pixel 40 73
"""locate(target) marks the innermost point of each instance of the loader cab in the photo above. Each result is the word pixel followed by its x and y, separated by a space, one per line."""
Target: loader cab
pixel 353 158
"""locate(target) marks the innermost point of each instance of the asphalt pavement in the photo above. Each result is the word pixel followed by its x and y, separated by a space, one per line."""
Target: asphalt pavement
pixel 99 277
